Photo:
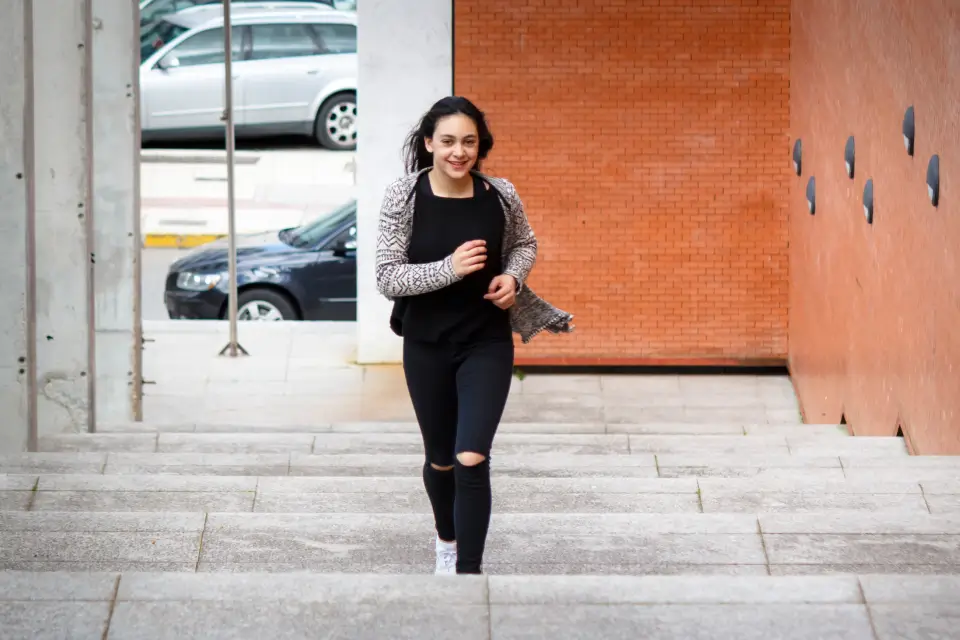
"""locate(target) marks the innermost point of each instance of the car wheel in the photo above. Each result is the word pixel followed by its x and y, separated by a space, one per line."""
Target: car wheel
pixel 336 126
pixel 264 305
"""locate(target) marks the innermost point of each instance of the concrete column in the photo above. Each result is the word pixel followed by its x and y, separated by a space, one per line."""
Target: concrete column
pixel 405 52
pixel 62 215
pixel 116 209
pixel 17 430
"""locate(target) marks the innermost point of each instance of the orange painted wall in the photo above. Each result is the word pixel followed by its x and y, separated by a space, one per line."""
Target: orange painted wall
pixel 648 139
pixel 875 310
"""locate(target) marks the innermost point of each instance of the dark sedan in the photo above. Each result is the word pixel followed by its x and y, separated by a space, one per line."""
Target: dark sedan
pixel 304 273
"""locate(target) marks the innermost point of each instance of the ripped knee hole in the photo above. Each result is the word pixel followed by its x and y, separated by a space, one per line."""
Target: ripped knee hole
pixel 470 459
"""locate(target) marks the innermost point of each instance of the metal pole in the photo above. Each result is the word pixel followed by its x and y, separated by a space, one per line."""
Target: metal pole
pixel 233 348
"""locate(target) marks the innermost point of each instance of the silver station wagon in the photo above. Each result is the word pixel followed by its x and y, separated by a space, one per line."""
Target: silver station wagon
pixel 294 72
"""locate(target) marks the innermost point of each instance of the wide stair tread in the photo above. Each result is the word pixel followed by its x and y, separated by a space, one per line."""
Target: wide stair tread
pixel 638 465
pixel 572 428
pixel 505 444
pixel 525 543
pixel 212 606
pixel 351 494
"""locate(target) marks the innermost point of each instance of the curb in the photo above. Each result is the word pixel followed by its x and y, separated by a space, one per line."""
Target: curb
pixel 189 156
pixel 178 241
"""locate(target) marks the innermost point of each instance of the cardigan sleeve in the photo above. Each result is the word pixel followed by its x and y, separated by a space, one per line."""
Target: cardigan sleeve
pixel 523 251
pixel 396 277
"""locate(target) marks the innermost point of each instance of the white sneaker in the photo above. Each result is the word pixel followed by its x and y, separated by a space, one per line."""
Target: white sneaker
pixel 446 558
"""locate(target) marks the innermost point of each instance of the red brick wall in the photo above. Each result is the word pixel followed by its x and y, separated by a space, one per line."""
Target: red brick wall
pixel 875 310
pixel 648 139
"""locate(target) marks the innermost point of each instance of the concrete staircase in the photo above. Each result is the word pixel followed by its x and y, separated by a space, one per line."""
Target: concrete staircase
pixel 599 531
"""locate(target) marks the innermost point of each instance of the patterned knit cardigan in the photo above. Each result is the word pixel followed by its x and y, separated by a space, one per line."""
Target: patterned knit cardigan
pixel 396 277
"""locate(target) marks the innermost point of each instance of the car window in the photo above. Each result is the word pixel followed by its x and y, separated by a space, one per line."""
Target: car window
pixel 313 233
pixel 156 36
pixel 329 3
pixel 347 235
pixel 283 41
pixel 206 47
pixel 337 38
pixel 159 8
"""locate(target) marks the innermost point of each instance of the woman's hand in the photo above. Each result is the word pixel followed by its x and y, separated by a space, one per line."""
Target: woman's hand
pixel 469 257
pixel 502 291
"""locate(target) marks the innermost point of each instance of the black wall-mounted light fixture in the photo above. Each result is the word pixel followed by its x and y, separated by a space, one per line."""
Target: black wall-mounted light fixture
pixel 812 195
pixel 908 130
pixel 933 180
pixel 868 201
pixel 849 156
pixel 798 156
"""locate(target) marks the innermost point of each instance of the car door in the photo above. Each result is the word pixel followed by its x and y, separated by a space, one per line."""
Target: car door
pixel 331 283
pixel 282 75
pixel 184 89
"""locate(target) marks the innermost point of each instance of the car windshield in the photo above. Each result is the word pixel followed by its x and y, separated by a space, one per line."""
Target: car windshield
pixel 312 233
pixel 156 36
pixel 157 9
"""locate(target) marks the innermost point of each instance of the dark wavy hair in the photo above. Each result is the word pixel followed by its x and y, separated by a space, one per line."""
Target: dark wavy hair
pixel 415 154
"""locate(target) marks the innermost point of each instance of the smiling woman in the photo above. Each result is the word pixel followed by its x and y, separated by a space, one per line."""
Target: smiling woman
pixel 454 250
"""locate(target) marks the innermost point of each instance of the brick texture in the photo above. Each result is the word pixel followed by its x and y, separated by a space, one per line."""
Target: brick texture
pixel 875 309
pixel 648 139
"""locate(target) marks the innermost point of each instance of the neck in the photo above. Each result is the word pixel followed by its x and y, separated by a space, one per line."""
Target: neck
pixel 445 186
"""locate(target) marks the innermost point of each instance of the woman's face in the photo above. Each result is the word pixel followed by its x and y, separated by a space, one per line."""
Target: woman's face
pixel 454 145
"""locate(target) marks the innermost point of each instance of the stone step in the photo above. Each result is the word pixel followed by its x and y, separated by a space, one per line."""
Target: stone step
pixel 505 444
pixel 226 494
pixel 654 428
pixel 635 544
pixel 637 465
pixel 150 606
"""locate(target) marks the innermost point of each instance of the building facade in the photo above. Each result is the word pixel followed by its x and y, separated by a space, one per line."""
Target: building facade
pixel 652 143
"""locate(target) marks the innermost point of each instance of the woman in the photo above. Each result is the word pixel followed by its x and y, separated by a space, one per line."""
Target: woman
pixel 454 250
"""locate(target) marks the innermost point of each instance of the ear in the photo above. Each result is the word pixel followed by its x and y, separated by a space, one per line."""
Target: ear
pixel 428 143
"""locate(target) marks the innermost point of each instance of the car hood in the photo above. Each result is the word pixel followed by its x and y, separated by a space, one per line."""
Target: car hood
pixel 250 248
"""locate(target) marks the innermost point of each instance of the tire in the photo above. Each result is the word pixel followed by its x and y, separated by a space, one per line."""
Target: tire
pixel 336 125
pixel 264 305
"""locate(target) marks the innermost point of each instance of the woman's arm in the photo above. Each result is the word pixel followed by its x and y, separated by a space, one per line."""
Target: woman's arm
pixel 523 252
pixel 395 276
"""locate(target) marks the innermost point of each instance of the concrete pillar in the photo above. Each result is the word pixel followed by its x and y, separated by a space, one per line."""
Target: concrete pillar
pixel 62 215
pixel 405 52
pixel 16 341
pixel 116 209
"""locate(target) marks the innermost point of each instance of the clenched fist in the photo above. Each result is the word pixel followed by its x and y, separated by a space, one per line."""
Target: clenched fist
pixel 502 291
pixel 469 257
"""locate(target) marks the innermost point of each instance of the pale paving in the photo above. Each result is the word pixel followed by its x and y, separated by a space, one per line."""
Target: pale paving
pixel 625 507
pixel 300 374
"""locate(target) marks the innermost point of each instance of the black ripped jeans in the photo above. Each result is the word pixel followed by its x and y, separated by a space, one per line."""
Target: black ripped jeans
pixel 458 393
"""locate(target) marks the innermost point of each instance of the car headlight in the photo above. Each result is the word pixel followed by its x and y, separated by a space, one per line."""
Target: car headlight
pixel 198 281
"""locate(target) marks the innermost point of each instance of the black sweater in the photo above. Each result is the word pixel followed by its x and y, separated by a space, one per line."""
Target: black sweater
pixel 457 313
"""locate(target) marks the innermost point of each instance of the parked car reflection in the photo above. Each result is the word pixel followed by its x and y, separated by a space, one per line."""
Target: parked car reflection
pixel 294 72
pixel 303 273
pixel 153 10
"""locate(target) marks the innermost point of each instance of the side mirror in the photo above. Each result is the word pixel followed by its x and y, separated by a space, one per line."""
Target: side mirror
pixel 343 249
pixel 169 62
